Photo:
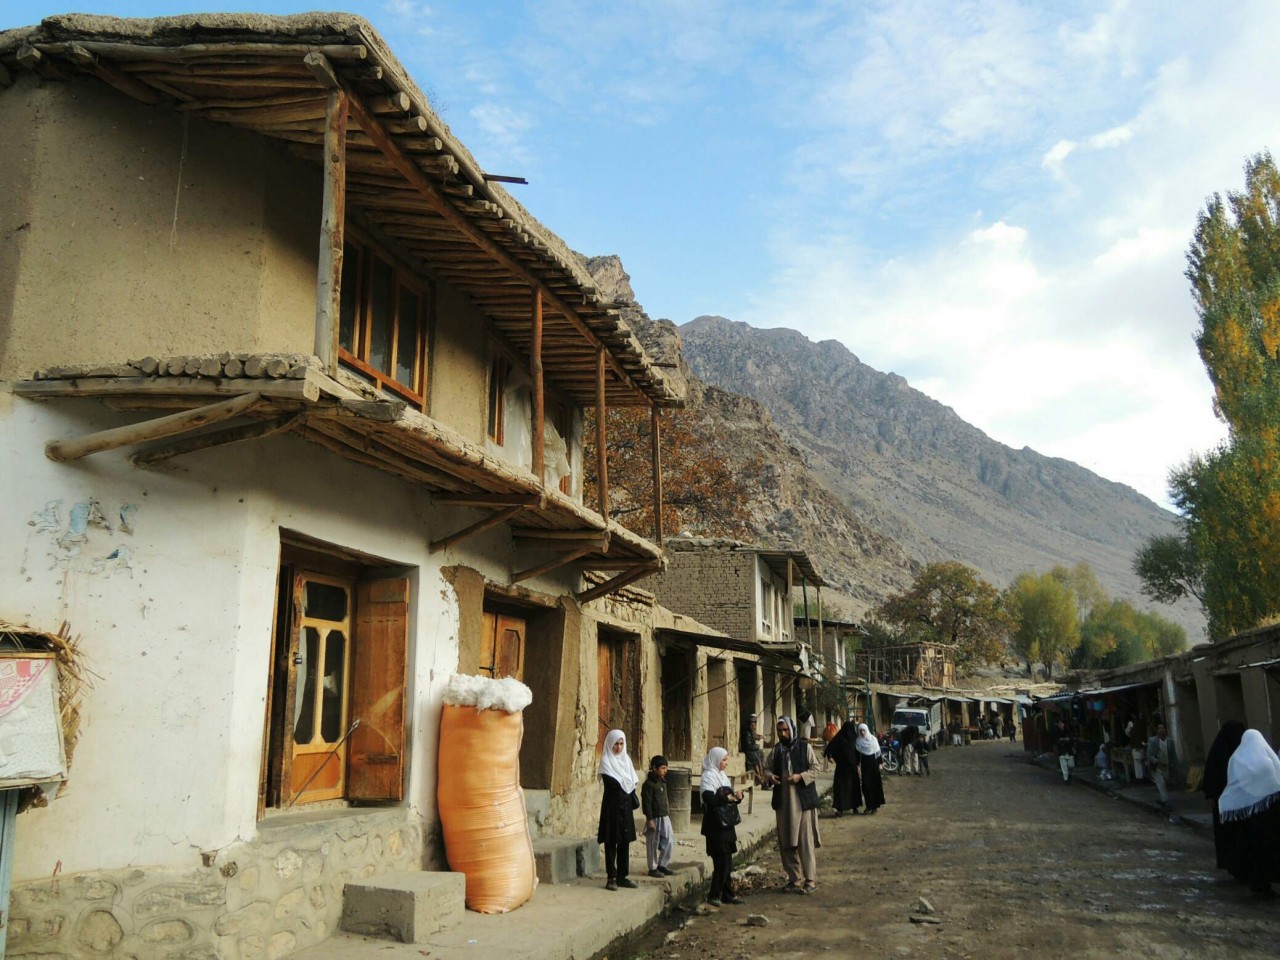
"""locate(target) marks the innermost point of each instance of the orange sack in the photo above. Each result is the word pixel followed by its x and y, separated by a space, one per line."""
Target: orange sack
pixel 486 835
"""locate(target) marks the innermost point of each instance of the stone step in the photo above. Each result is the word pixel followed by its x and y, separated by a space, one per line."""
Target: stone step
pixel 562 859
pixel 408 906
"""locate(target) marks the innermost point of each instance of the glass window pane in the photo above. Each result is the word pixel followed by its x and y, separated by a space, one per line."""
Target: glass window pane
pixel 407 339
pixel 304 704
pixel 350 292
pixel 381 320
pixel 335 649
pixel 324 601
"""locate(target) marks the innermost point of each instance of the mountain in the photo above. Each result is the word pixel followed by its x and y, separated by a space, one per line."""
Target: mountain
pixel 874 478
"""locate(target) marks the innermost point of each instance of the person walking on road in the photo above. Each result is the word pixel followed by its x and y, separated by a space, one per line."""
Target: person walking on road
pixel 719 817
pixel 907 739
pixel 868 748
pixel 1162 761
pixel 1250 811
pixel 617 810
pixel 846 791
pixel 793 770
pixel 1065 747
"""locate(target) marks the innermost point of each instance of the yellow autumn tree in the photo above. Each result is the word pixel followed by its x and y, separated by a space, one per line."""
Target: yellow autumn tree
pixel 1230 497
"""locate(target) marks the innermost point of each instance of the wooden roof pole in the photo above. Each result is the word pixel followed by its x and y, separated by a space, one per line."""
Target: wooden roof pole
pixel 332 231
pixel 175 423
pixel 602 457
pixel 655 435
pixel 539 424
pixel 418 180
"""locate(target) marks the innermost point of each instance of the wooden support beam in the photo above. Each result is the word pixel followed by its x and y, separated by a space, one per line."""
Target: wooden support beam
pixel 216 438
pixel 617 583
pixel 538 533
pixel 478 527
pixel 602 453
pixel 306 389
pixel 655 434
pixel 550 565
pixel 129 86
pixel 322 70
pixel 183 422
pixel 539 396
pixel 435 197
pixel 616 563
pixel 536 500
pixel 333 218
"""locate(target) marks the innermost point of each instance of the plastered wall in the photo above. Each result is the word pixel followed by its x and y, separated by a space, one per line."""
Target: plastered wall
pixel 144 232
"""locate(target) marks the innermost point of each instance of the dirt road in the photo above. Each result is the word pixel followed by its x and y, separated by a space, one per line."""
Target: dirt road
pixel 1015 865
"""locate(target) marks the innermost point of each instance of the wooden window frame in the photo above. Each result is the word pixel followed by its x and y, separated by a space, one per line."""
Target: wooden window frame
pixel 369 253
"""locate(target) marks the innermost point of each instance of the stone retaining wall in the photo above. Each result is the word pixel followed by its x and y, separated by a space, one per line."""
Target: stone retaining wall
pixel 258 900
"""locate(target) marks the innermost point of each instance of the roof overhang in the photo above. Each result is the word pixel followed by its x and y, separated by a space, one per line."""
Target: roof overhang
pixel 273 76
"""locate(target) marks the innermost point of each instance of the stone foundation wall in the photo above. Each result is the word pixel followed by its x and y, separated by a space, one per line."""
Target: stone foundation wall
pixel 257 900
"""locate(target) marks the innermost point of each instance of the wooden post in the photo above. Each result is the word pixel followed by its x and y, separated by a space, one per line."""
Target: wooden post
pixel 808 627
pixel 332 229
pixel 655 433
pixel 539 400
pixel 602 459
pixel 8 832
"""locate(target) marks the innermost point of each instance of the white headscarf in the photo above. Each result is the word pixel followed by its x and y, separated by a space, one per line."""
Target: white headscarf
pixel 618 765
pixel 1253 779
pixel 713 778
pixel 867 745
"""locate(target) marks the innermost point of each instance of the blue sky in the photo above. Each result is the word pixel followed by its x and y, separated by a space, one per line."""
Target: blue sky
pixel 992 199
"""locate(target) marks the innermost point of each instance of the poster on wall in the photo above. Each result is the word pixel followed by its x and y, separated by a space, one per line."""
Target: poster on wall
pixel 31 748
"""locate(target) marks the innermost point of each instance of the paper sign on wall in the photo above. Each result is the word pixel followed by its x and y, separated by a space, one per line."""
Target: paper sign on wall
pixel 31 749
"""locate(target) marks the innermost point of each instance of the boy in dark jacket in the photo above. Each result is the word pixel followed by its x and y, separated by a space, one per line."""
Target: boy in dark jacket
pixel 659 839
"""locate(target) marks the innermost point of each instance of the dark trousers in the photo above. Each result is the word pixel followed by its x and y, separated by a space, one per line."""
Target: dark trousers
pixel 616 860
pixel 721 883
pixel 924 762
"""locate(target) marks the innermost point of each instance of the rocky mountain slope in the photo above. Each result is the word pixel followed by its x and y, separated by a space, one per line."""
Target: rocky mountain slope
pixel 876 478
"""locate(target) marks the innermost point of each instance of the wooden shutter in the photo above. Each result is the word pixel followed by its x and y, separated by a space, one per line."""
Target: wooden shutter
pixel 378 679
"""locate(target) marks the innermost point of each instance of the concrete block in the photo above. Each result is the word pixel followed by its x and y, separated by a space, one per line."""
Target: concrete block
pixel 556 859
pixel 588 858
pixel 407 907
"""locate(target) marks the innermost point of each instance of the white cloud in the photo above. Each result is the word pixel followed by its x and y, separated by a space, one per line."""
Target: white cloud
pixel 1108 139
pixel 1057 155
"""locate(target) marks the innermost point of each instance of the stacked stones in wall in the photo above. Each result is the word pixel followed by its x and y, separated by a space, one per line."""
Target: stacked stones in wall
pixel 273 366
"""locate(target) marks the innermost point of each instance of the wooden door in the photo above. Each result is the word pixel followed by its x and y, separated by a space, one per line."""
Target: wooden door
pixel 604 683
pixel 502 646
pixel 379 675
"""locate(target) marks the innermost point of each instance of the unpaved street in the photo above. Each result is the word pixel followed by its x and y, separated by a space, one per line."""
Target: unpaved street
pixel 1015 864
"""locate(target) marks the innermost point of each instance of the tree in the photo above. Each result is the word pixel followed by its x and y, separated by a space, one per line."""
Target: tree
pixel 1230 498
pixel 1084 586
pixel 1116 634
pixel 1170 569
pixel 949 603
pixel 1046 625
pixel 702 488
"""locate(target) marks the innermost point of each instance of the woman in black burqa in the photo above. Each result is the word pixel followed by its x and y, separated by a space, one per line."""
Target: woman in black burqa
pixel 1215 781
pixel 846 791
pixel 869 766
pixel 1250 811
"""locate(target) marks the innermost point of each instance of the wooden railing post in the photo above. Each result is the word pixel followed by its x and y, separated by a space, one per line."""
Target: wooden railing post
pixel 539 400
pixel 655 433
pixel 602 459
pixel 332 228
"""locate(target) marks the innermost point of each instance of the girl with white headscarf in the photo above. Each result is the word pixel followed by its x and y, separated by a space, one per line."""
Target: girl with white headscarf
pixel 718 796
pixel 617 809
pixel 868 748
pixel 1250 812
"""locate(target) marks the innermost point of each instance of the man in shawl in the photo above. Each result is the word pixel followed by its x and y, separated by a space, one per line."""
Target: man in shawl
pixel 1163 762
pixel 793 769
pixel 846 792
pixel 1250 811
pixel 868 748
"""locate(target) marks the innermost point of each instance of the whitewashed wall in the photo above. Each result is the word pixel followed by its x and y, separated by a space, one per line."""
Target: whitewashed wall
pixel 172 588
